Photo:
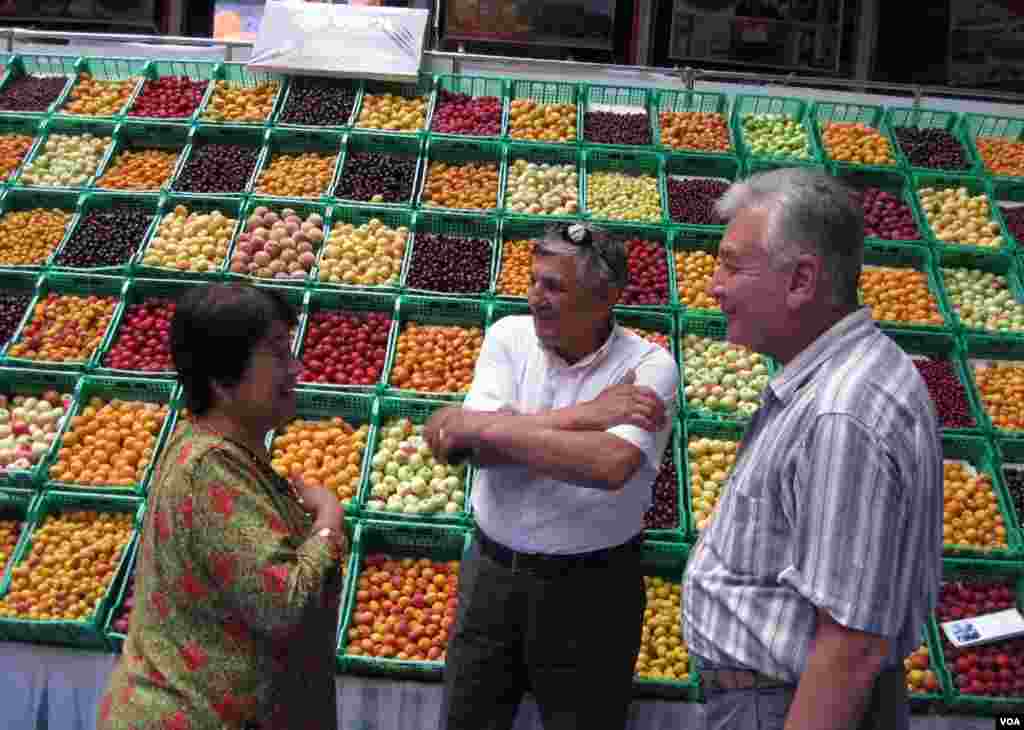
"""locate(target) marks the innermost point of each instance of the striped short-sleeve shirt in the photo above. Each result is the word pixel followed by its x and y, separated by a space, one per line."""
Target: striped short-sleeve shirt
pixel 834 502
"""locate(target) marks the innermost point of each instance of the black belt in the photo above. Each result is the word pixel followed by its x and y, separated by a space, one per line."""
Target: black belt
pixel 717 680
pixel 541 563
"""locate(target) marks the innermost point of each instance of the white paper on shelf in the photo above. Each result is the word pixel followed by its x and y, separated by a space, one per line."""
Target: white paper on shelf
pixel 617 109
pixel 984 629
pixel 321 39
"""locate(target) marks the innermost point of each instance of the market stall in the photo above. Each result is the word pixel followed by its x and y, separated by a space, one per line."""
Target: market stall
pixel 128 179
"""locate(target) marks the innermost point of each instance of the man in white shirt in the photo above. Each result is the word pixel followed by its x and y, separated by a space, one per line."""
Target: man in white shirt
pixel 567 418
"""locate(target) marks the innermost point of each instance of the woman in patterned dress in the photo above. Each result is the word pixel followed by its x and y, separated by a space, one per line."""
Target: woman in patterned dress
pixel 239 573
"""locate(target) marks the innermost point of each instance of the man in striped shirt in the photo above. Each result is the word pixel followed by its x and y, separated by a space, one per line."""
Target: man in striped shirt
pixel 814 577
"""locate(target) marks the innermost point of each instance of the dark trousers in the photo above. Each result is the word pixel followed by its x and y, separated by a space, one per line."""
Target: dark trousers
pixel 570 637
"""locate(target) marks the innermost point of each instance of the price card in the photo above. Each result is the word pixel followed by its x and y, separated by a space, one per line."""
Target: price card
pixel 984 629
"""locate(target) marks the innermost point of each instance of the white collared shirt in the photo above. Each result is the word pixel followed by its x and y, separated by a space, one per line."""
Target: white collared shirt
pixel 528 512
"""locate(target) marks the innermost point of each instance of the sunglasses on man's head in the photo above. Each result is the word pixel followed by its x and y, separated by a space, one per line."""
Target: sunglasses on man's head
pixel 579 235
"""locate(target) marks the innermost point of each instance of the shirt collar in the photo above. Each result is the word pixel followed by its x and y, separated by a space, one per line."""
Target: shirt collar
pixel 834 340
pixel 594 357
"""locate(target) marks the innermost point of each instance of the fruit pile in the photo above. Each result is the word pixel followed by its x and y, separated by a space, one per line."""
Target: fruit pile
pixel 776 135
pixel 722 378
pixel 13 148
pixel 618 128
pixel 957 217
pixel 471 185
pixel 98 97
pixel 109 443
pixel 435 358
pixel 663 655
pixel 29 237
pixel 12 309
pixel 898 294
pixel 71 564
pixel 278 244
pixel 935 149
pixel 856 143
pixel 694 270
pixel 516 262
pixel 478 116
pixel 983 300
pixel 30 93
pixel 366 255
pixel 64 328
pixel 658 338
pixel 1013 477
pixel 169 97
pixel 1013 217
pixel 29 426
pixel 299 175
pixel 648 274
pixel 947 392
pixel 542 189
pixel 324 453
pixel 143 340
pixel 692 200
pixel 886 216
pixel 139 169
pixel 122 620
pixel 376 177
pixel 1001 385
pixel 1001 156
pixel 217 168
pixel 696 131
pixel 621 196
pixel 921 678
pixel 190 241
pixel 971 514
pixel 65 161
pixel 345 348
pixel 536 122
pixel 236 103
pixel 450 264
pixel 663 514
pixel 10 532
pixel 406 478
pixel 105 237
pixel 711 461
pixel 393 112
pixel 319 102
pixel 404 609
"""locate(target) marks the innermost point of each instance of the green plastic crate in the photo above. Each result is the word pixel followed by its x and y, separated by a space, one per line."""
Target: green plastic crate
pixel 34 383
pixel 1011 195
pixel 39 65
pixel 987 347
pixel 72 285
pixel 135 136
pixel 791 108
pixel 692 430
pixel 410 147
pixel 520 229
pixel 19 282
pixel 957 701
pixel 456 226
pixel 106 202
pixel 139 291
pixel 892 181
pixel 822 112
pixel 239 136
pixel 350 302
pixel 303 209
pixel 1011 452
pixel 995 263
pixel 918 258
pixel 66 126
pixel 87 633
pixel 464 311
pixel 622 100
pixel 461 151
pixel 351 84
pixel 228 207
pixel 316 405
pixel 151 390
pixel 115 639
pixel 931 701
pixel 678 533
pixel 718 167
pixel 545 93
pixel 474 86
pixel 978 451
pixel 928 119
pixel 651 321
pixel 342 215
pixel 18 199
pixel 689 239
pixel 985 125
pixel 943 346
pixel 400 540
pixel 550 154
pixel 629 161
pixel 974 186
pixel 654 234
pixel 106 69
pixel 692 101
pixel 417 410
pixel 423 88
pixel 298 141
pixel 668 561
pixel 240 75
pixel 714 328
pixel 28 126
pixel 159 69
pixel 756 165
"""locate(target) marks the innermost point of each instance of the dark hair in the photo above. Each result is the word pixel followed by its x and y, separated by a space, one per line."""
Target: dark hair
pixel 214 331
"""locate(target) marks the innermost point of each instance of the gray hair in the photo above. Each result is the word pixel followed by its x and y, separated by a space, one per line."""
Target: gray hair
pixel 601 263
pixel 808 212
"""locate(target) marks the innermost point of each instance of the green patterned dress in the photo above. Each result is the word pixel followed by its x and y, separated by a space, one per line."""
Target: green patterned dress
pixel 236 609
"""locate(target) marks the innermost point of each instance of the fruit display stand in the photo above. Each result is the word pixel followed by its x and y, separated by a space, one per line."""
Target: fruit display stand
pixel 910 258
pixel 128 71
pixel 115 639
pixel 822 113
pixel 982 353
pixel 1008 130
pixel 693 103
pixel 361 219
pixel 1009 198
pixel 686 202
pixel 975 187
pixel 544 94
pixel 23 201
pixel 694 257
pixel 370 141
pixel 952 263
pixel 894 183
pixel 768 108
pixel 239 77
pixel 24 127
pixel 158 70
pixel 559 156
pixel 64 126
pixel 421 91
pixel 475 88
pixel 295 143
pixel 23 66
pixel 132 136
pixel 725 434
pixel 919 118
pixel 439 260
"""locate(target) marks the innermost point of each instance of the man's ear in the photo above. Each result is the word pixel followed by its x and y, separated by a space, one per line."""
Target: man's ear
pixel 805 281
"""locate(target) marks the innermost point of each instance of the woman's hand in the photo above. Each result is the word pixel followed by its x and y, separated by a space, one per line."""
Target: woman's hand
pixel 327 510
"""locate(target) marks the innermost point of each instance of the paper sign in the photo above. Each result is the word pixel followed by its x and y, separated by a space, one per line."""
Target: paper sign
pixel 984 629
pixel 320 39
